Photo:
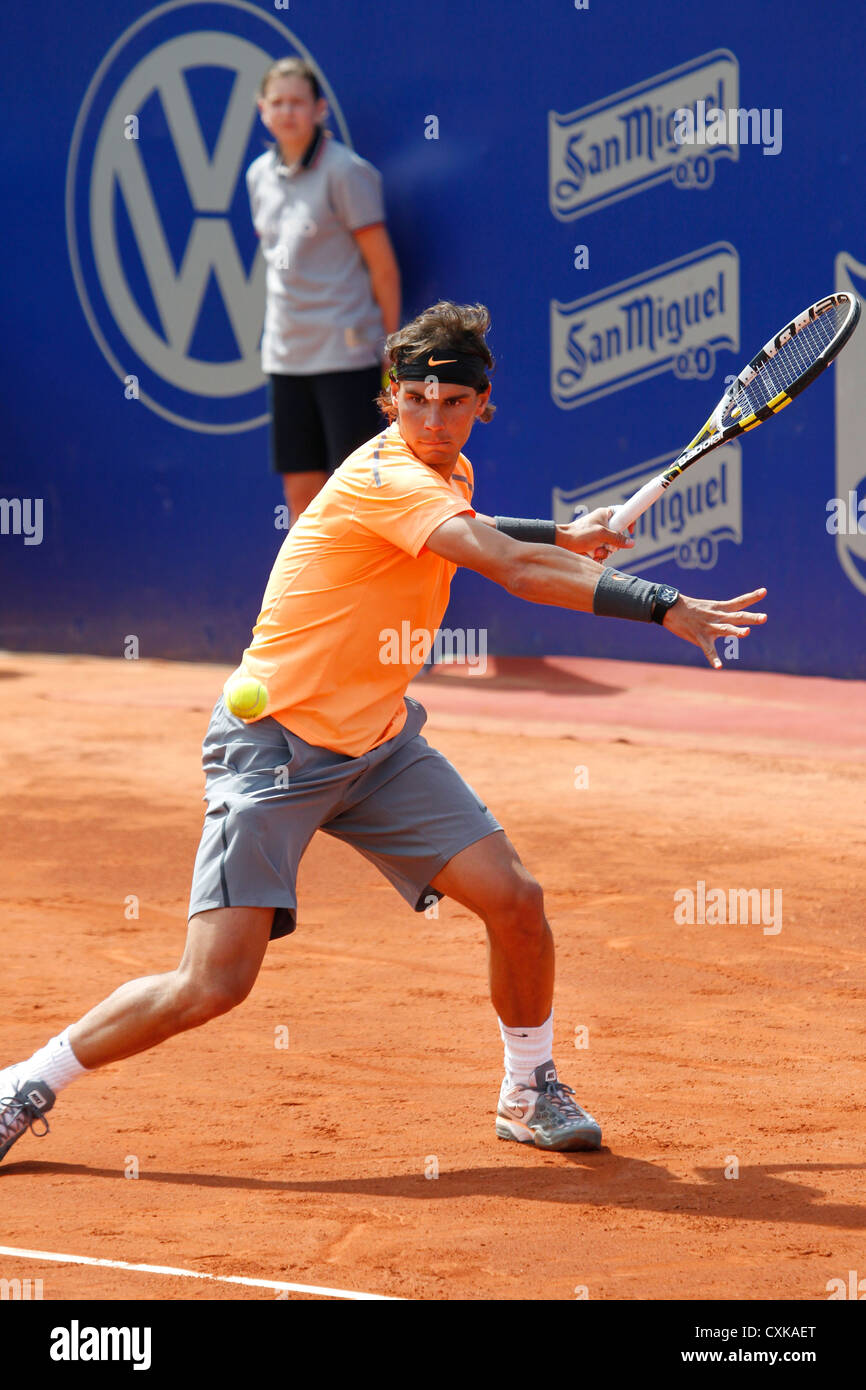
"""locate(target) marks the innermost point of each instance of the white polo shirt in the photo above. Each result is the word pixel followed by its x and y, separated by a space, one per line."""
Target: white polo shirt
pixel 320 314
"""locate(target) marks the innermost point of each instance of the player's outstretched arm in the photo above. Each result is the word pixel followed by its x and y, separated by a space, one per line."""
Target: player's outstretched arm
pixel 549 574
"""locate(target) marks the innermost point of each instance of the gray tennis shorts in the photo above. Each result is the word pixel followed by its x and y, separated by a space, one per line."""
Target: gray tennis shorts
pixel 404 806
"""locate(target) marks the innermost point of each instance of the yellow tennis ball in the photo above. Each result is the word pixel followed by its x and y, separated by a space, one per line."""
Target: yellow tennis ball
pixel 247 698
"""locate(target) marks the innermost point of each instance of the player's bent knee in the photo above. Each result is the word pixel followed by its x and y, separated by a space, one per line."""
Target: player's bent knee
pixel 197 1000
pixel 519 907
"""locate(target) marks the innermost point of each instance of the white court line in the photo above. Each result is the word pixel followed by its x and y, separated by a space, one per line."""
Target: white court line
pixel 193 1274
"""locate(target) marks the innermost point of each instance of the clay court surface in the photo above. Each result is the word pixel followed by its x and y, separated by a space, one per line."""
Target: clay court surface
pixel 308 1164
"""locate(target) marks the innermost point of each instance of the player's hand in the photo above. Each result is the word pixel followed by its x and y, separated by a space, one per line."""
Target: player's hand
pixel 703 621
pixel 591 535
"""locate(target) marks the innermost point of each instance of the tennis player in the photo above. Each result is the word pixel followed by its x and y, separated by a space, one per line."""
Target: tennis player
pixel 340 747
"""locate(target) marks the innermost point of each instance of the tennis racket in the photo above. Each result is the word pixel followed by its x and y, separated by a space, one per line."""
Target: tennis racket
pixel 783 368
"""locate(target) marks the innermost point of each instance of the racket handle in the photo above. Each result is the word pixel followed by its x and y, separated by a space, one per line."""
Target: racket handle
pixel 636 505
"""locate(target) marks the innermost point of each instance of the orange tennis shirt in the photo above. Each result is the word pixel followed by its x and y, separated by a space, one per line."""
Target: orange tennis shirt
pixel 352 596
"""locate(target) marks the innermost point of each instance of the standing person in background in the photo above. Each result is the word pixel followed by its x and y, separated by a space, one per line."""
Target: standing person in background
pixel 333 284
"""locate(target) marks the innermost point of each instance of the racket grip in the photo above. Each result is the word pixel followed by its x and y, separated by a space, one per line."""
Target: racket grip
pixel 637 504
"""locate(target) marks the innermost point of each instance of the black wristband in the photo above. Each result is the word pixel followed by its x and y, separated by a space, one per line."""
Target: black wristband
pixel 522 529
pixel 619 595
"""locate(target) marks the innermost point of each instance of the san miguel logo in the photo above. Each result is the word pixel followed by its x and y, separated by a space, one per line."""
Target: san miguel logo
pixel 687 522
pixel 628 141
pixel 846 512
pixel 166 263
pixel 673 318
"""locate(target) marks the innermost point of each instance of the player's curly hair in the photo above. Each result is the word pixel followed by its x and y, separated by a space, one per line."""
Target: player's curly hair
pixel 444 325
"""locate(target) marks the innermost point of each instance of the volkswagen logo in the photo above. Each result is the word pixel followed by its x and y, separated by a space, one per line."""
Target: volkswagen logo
pixel 165 258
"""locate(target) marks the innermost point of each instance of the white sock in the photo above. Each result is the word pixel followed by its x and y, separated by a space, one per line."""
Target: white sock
pixel 55 1064
pixel 526 1049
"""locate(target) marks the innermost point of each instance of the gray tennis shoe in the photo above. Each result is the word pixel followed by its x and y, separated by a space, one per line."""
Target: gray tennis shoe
pixel 22 1107
pixel 543 1113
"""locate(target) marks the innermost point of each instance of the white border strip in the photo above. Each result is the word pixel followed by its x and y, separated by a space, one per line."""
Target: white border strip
pixel 193 1274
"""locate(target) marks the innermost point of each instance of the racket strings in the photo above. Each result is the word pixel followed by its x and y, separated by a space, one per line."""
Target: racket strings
pixel 792 361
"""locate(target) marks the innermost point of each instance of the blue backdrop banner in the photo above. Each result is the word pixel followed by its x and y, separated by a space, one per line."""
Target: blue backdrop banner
pixel 642 195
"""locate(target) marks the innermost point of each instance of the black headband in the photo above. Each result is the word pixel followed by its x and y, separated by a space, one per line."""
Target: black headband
pixel 443 364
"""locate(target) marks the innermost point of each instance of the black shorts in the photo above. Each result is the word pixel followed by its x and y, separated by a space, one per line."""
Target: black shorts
pixel 317 421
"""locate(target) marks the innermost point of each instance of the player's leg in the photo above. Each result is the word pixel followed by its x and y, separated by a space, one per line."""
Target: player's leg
pixel 252 840
pixel 489 878
pixel 535 1107
pixel 298 446
pixel 223 954
pixel 414 817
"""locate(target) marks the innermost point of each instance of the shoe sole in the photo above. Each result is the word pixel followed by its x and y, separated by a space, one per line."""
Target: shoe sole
pixel 578 1140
